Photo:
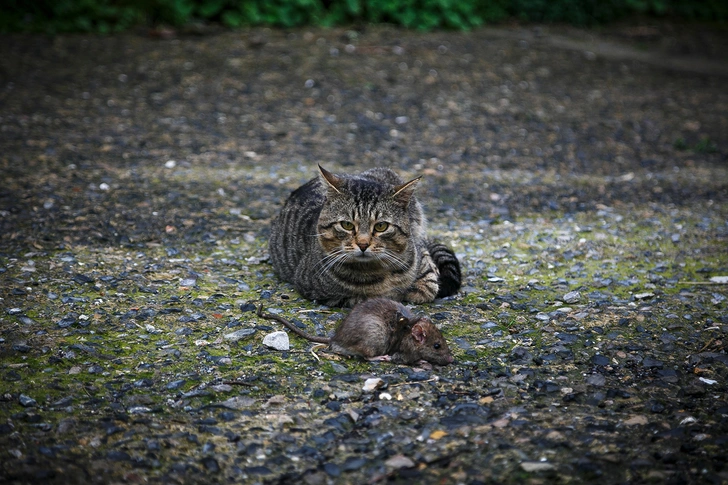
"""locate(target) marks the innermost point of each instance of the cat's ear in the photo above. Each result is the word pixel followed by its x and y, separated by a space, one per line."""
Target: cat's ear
pixel 331 181
pixel 403 193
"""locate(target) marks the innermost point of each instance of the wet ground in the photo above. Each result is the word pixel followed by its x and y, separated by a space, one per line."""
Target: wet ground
pixel 580 176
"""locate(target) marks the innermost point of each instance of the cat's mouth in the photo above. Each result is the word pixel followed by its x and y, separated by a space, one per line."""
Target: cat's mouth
pixel 364 256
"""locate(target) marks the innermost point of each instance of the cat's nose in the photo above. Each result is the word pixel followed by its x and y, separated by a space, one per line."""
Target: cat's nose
pixel 363 245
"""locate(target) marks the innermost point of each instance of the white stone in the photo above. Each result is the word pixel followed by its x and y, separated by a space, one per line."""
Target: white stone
pixel 277 340
pixel 372 384
pixel 536 466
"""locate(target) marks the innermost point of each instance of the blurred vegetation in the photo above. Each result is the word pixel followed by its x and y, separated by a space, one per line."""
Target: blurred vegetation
pixel 104 16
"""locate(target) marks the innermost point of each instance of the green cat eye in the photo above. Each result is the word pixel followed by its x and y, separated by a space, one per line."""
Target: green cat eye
pixel 381 226
pixel 346 225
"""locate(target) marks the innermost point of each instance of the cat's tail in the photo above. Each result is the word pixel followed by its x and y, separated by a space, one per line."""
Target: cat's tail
pixel 449 268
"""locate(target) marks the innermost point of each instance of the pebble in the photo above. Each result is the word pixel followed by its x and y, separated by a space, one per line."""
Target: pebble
pixel 277 341
pixel 596 380
pixel 239 334
pixel 68 320
pixel 571 297
pixel 27 401
pixel 399 461
pixel 536 466
pixel 373 384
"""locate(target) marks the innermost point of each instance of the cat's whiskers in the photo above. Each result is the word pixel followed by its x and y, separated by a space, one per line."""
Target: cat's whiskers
pixel 390 257
pixel 331 260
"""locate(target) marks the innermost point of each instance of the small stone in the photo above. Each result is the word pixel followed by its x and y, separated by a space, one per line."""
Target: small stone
pixel 188 282
pixel 571 297
pixel 500 254
pixel 332 469
pixel 65 425
pixel 238 402
pixel 650 362
pixel 277 341
pixel 68 320
pixel 399 461
pixel 21 347
pixel 175 384
pixel 27 401
pixel 370 385
pixel 239 334
pixel 596 380
pixel 354 463
pixel 462 343
pixel 644 296
pixel 82 279
pixel 536 466
pixel 636 420
pixel 211 464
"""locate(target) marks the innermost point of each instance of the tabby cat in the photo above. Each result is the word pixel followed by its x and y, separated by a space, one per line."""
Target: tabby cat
pixel 341 239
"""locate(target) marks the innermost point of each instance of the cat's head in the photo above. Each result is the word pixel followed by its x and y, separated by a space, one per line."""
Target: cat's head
pixel 365 220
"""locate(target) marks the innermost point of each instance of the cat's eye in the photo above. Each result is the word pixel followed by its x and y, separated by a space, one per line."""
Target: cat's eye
pixel 347 225
pixel 437 346
pixel 381 226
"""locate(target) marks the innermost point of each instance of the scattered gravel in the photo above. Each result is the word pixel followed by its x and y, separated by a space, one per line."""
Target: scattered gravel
pixel 584 191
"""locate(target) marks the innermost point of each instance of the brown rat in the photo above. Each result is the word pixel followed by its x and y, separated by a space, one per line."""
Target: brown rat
pixel 382 329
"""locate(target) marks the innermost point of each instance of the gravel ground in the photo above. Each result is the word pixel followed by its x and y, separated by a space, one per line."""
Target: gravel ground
pixel 580 176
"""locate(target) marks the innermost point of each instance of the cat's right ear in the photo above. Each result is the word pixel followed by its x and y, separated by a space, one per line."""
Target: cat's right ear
pixel 403 193
pixel 331 181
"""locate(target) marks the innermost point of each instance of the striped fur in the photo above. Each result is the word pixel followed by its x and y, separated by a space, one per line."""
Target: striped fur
pixel 342 239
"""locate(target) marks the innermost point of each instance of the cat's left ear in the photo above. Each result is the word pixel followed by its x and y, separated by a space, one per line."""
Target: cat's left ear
pixel 403 193
pixel 331 181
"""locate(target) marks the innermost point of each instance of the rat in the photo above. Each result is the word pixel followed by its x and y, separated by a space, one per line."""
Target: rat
pixel 380 329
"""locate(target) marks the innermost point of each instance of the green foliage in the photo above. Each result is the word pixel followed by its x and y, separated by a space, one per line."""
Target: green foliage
pixel 424 14
pixel 105 16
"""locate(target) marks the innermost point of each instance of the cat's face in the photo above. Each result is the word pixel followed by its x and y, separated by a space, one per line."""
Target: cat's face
pixel 365 222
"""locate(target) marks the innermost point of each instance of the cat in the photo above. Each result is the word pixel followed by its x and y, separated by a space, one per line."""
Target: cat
pixel 342 239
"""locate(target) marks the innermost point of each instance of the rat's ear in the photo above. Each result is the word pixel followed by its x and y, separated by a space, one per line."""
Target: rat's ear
pixel 331 182
pixel 401 319
pixel 418 333
pixel 403 193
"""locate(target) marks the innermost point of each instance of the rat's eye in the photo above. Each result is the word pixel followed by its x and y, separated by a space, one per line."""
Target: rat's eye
pixel 347 225
pixel 437 346
pixel 381 226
